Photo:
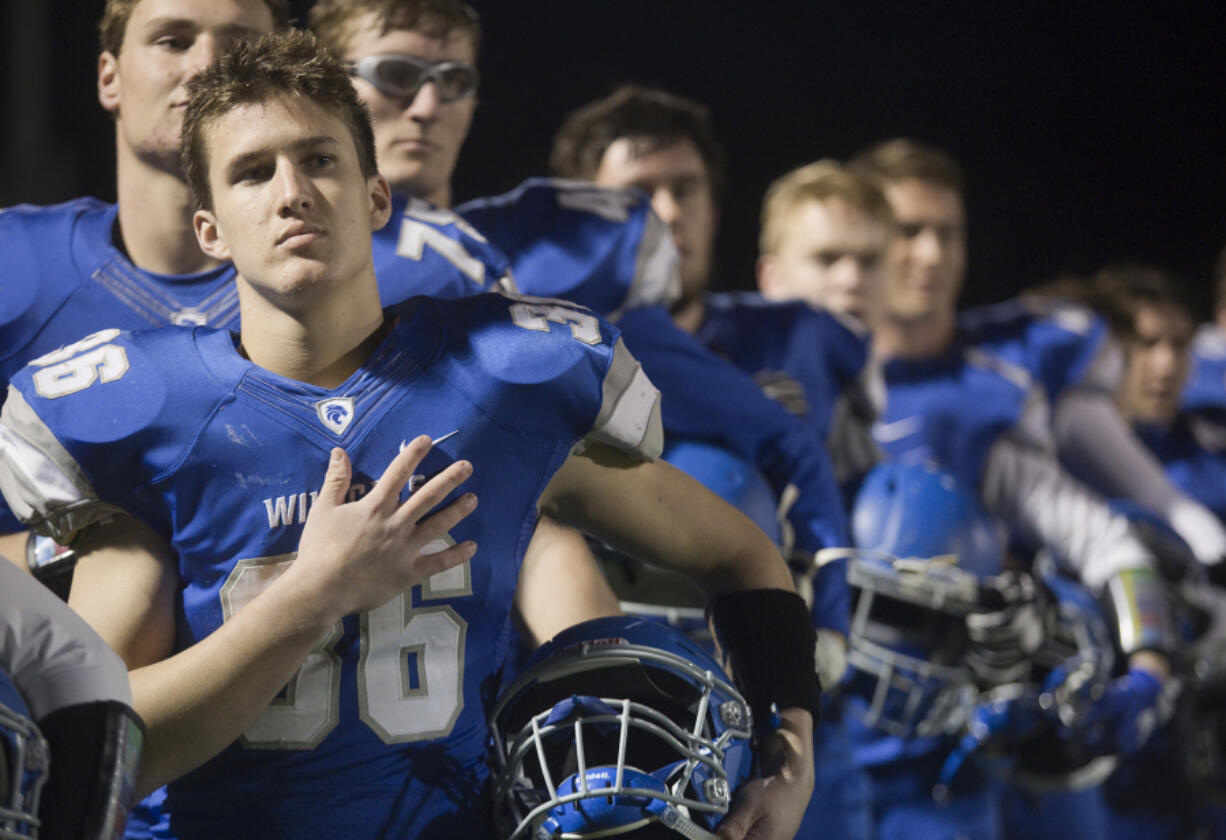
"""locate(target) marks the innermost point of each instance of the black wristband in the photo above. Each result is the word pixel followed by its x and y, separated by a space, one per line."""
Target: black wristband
pixel 768 641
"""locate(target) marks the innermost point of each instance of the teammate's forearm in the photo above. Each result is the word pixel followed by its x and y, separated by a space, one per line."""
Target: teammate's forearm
pixel 637 508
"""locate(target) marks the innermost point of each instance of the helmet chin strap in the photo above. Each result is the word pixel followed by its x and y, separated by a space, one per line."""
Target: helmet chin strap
pixel 674 819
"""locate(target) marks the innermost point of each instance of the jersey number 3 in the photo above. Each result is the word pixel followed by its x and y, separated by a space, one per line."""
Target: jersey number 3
pixel 410 672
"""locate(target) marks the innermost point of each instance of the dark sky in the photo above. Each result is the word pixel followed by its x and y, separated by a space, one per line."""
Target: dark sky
pixel 1090 131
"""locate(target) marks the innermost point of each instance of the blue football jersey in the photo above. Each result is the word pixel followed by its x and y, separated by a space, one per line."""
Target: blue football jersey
pixel 1206 385
pixel 818 354
pixel 1192 450
pixel 599 247
pixel 706 398
pixel 605 250
pixel 950 409
pixel 382 732
pixel 1055 342
pixel 428 250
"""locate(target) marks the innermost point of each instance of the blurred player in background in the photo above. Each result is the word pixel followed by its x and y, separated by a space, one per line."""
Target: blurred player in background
pixel 1150 317
pixel 1152 321
pixel 1058 353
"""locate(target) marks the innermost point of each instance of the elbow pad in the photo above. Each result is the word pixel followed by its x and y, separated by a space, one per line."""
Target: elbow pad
pixel 95 755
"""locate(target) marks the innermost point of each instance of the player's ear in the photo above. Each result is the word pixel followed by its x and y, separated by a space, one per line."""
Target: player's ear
pixel 108 81
pixel 767 269
pixel 208 234
pixel 380 201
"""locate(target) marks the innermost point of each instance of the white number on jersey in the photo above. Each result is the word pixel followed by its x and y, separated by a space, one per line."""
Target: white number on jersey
pixel 410 672
pixel 609 204
pixel 65 372
pixel 537 316
pixel 419 227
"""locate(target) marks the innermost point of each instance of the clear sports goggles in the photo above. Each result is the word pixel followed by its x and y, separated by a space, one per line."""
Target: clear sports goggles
pixel 402 76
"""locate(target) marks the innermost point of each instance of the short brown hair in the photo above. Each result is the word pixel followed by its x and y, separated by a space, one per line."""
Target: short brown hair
pixel 649 117
pixel 823 180
pixel 903 158
pixel 288 64
pixel 115 16
pixel 1120 291
pixel 334 21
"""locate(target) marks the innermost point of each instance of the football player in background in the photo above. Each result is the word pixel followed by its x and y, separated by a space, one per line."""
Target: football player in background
pixel 74 266
pixel 663 144
pixel 1150 317
pixel 383 729
pixel 959 396
pixel 413 64
pixel 1058 353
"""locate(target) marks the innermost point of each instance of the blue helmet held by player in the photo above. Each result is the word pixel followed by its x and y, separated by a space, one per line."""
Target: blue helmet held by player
pixel 924 548
pixel 24 762
pixel 917 510
pixel 618 725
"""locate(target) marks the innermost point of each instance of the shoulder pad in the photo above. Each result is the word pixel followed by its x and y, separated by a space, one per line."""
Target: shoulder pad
pixel 551 365
pixel 599 247
pixel 39 270
pixel 103 416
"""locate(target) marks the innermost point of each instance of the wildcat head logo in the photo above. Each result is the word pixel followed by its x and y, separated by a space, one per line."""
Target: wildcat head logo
pixel 335 413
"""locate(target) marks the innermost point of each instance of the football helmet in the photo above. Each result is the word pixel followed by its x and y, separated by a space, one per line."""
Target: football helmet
pixel 923 544
pixel 618 726
pixel 24 762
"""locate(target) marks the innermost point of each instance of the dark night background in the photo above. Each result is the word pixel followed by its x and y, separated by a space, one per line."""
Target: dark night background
pixel 1090 132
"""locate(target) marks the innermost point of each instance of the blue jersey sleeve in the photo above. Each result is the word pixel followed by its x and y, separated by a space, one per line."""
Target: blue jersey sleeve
pixel 37 275
pixel 1206 386
pixel 603 249
pixel 707 398
pixel 1056 343
pixel 87 425
pixel 552 368
pixel 427 250
pixel 803 357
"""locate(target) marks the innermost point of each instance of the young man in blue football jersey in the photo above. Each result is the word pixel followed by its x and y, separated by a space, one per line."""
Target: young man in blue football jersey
pixel 381 730
pixel 134 264
pixel 968 393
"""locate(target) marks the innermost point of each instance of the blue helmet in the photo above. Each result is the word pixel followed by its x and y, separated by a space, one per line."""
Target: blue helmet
pixel 916 510
pixel 617 724
pixel 923 548
pixel 729 476
pixel 24 761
